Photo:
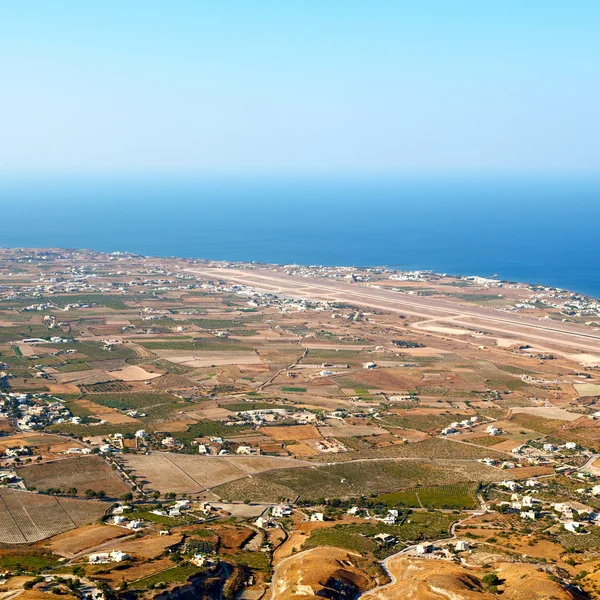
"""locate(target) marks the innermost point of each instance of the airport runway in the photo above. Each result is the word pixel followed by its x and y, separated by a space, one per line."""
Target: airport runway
pixel 575 338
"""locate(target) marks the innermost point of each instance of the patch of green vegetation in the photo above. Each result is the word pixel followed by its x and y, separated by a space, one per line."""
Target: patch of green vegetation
pixel 96 350
pixel 71 367
pixel 511 384
pixel 537 423
pixel 177 574
pixel 77 411
pixel 20 332
pixel 17 351
pixel 427 450
pixel 487 440
pixel 430 390
pixel 243 406
pixel 339 537
pixel 133 400
pixel 259 561
pixel 162 412
pixel 145 514
pixel 454 497
pixel 478 297
pixel 30 562
pixel 206 429
pixel 107 300
pixel 293 389
pixel 15 317
pixel 226 346
pixel 516 370
pixel 218 323
pixel 171 367
pixel 419 526
pixel 82 431
pixel 351 479
pixel 421 422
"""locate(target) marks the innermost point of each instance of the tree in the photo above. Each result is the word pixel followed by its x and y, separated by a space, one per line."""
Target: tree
pixel 490 579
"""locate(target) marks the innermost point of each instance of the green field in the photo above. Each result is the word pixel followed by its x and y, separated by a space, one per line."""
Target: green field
pixel 355 479
pixel 455 497
pixel 17 351
pixel 30 562
pixel 339 537
pixel 72 367
pixel 243 406
pixel 260 561
pixel 208 346
pixel 133 400
pixel 90 430
pixel 171 367
pixel 108 300
pixel 177 574
pixel 293 389
pixel 96 351
pixel 417 527
pixel 19 332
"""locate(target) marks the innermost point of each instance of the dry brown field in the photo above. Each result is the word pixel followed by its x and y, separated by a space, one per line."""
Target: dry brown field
pixel 293 432
pixel 28 517
pixel 147 546
pixel 82 472
pixel 192 474
pixel 83 538
pixel 138 571
pixel 341 430
pixel 301 450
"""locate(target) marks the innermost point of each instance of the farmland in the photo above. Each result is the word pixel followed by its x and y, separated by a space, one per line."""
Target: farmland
pixel 27 517
pixel 75 473
pixel 457 497
pixel 200 396
pixel 183 474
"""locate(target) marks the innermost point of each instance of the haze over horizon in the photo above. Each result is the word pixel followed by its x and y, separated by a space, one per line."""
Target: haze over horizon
pixel 311 87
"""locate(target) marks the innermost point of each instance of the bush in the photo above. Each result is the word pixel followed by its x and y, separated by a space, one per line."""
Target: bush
pixel 489 580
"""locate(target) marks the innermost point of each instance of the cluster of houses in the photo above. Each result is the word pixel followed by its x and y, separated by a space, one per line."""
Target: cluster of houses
pixel 572 515
pixel 460 426
pixel 277 512
pixel 33 411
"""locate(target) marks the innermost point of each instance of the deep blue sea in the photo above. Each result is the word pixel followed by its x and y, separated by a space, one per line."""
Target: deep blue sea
pixel 533 229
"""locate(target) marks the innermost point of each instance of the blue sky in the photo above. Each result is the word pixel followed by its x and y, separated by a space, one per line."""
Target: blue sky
pixel 304 86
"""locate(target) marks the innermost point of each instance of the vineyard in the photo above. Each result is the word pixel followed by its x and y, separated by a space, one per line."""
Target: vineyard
pixel 27 517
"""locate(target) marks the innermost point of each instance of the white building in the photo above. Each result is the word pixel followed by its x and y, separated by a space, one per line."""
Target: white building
pixel 528 514
pixel 118 556
pixel 281 511
pixel 574 527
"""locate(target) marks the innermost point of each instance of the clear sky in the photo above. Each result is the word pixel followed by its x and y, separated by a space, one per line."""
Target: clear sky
pixel 277 86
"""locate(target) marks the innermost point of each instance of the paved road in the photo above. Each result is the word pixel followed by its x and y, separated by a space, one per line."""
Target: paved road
pixel 588 465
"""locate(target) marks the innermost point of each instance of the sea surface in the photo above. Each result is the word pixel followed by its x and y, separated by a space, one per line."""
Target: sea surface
pixel 533 229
